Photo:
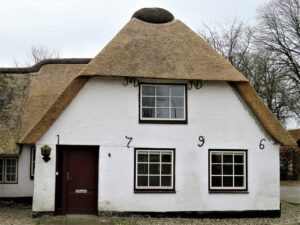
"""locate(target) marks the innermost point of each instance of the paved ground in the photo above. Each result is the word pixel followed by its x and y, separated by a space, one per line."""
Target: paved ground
pixel 22 216
pixel 290 194
pixel 290 191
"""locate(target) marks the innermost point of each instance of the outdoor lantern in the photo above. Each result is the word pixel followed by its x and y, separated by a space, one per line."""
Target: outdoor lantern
pixel 45 151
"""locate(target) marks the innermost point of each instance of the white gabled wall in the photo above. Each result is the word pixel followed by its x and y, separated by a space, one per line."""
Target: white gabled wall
pixel 105 111
pixel 24 187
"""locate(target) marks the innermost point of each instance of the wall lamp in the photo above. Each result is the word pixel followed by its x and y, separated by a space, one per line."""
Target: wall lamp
pixel 45 151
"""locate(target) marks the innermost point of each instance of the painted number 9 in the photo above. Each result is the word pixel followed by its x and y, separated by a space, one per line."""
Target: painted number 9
pixel 261 145
pixel 201 140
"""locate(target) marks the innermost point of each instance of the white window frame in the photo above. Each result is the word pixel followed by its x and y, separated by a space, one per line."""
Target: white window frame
pixel 5 170
pixel 32 161
pixel 245 168
pixel 172 163
pixel 170 107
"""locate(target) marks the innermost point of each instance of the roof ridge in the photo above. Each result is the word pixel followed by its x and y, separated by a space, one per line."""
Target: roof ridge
pixel 37 67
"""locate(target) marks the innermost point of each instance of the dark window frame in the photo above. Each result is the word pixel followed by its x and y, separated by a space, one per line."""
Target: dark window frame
pixel 228 190
pixel 154 190
pixel 32 162
pixel 4 158
pixel 163 121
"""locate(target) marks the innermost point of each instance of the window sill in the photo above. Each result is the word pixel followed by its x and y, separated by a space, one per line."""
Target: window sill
pixel 164 121
pixel 146 191
pixel 228 192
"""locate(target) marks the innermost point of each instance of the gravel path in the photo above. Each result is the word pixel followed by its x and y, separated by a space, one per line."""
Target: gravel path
pixel 21 215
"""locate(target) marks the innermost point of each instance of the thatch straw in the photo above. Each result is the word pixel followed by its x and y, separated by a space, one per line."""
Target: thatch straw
pixel 36 67
pixel 263 114
pixel 166 51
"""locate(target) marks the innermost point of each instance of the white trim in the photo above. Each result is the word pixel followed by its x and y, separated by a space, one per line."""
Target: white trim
pixel 160 163
pixel 15 159
pixel 244 175
pixel 159 107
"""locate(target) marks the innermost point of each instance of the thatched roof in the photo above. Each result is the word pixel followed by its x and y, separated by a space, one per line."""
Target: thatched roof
pixel 28 96
pixel 166 50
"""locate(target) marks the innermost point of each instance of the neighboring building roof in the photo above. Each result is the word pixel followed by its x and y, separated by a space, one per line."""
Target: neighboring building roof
pixel 295 133
pixel 143 50
pixel 28 96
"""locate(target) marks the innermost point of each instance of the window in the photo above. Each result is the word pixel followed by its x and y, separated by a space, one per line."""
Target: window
pixel 154 170
pixel 32 162
pixel 228 170
pixel 163 103
pixel 8 170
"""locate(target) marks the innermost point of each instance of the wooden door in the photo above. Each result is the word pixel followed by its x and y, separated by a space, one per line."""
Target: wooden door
pixel 79 179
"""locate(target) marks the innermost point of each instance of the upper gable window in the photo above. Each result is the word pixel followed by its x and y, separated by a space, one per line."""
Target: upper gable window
pixel 163 103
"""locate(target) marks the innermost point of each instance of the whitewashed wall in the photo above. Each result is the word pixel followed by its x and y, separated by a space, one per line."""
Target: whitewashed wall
pixel 105 111
pixel 24 187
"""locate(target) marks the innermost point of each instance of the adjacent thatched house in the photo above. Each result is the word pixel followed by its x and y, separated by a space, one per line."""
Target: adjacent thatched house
pixel 157 122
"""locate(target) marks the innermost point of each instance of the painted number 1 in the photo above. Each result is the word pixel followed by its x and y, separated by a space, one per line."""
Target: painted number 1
pixel 201 141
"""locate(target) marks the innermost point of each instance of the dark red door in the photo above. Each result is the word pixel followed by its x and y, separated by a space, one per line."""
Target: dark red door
pixel 80 179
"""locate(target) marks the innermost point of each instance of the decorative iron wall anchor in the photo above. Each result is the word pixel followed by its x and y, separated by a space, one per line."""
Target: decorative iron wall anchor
pixel 131 80
pixel 196 83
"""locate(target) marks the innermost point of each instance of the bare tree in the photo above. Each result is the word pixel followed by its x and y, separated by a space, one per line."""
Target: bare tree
pixel 235 42
pixel 39 53
pixel 278 31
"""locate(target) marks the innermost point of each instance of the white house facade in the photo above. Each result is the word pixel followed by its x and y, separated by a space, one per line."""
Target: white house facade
pixel 157 123
pixel 105 111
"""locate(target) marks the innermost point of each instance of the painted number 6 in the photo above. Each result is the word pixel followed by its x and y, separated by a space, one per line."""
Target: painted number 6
pixel 261 145
pixel 201 140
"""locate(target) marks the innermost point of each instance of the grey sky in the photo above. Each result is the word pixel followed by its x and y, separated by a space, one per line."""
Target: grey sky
pixel 83 28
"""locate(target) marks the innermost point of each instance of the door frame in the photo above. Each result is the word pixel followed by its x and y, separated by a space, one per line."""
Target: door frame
pixel 61 175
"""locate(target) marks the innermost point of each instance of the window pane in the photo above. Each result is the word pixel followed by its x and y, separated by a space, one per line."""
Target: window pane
pixel 154 181
pixel 163 113
pixel 216 169
pixel 162 102
pixel 148 90
pixel 166 181
pixel 10 177
pixel 166 157
pixel 154 157
pixel 154 168
pixel 238 181
pixel 142 181
pixel 148 112
pixel 177 113
pixel 162 90
pixel 239 158
pixel 148 101
pixel 227 169
pixel 166 169
pixel 142 157
pixel 227 181
pixel 216 181
pixel 239 169
pixel 177 90
pixel 142 168
pixel 216 158
pixel 177 102
pixel 227 158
